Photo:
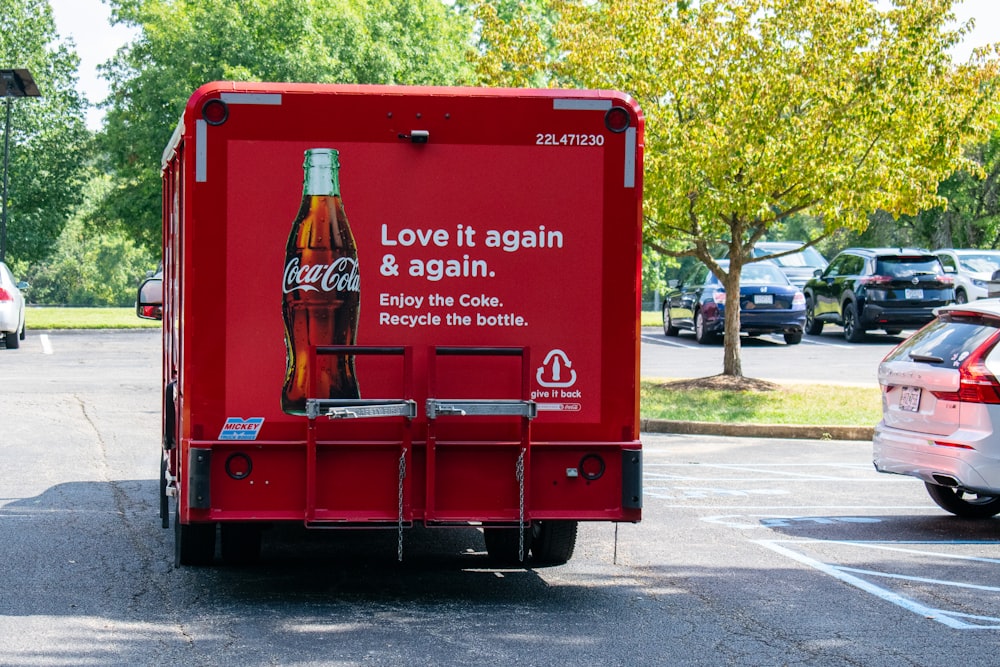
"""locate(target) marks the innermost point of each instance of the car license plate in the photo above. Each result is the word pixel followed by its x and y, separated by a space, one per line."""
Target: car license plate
pixel 763 299
pixel 910 399
pixel 914 294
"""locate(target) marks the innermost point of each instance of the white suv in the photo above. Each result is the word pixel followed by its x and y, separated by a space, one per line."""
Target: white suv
pixel 941 409
pixel 972 270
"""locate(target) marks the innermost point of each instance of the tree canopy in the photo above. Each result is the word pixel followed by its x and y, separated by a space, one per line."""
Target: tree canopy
pixel 48 134
pixel 758 110
pixel 185 43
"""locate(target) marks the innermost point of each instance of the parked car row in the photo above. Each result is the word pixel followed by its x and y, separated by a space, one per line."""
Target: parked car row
pixel 861 290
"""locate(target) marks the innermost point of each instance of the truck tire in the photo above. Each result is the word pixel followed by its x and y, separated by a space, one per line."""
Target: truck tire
pixel 503 545
pixel 240 544
pixel 552 542
pixel 194 543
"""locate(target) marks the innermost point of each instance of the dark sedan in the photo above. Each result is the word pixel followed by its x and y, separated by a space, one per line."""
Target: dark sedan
pixel 769 303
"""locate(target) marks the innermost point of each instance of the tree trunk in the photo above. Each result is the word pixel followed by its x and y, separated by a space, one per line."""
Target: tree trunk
pixel 731 364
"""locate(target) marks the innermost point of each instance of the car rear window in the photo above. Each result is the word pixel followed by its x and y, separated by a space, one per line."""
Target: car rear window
pixel 907 267
pixel 946 341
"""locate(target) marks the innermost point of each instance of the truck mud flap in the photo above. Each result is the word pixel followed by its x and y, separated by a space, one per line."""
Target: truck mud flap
pixel 199 476
pixel 632 479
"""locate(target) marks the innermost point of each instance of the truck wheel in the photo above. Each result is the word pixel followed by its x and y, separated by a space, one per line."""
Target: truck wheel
pixel 194 544
pixel 814 327
pixel 240 543
pixel 502 546
pixel 964 504
pixel 552 542
pixel 853 331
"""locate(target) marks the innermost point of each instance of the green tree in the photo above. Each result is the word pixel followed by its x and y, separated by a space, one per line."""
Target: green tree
pixel 48 135
pixel 185 43
pixel 758 110
pixel 87 269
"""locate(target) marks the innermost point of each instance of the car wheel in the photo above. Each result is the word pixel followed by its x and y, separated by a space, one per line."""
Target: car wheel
pixel 24 329
pixel 965 504
pixel 893 332
pixel 700 333
pixel 668 327
pixel 13 342
pixel 793 338
pixel 814 327
pixel 961 296
pixel 852 329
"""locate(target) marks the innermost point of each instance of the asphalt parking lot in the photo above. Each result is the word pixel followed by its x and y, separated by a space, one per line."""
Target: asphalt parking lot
pixel 752 551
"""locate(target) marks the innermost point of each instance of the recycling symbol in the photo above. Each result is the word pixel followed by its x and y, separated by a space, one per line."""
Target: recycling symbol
pixel 553 371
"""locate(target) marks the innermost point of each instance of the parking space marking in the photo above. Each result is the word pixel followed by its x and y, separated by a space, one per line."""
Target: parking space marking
pixel 952 619
pixel 46 344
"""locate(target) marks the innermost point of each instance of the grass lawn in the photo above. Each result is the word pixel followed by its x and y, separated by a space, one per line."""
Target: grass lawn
pixel 44 317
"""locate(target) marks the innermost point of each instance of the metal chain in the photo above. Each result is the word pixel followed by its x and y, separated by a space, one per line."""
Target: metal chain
pixel 519 473
pixel 402 475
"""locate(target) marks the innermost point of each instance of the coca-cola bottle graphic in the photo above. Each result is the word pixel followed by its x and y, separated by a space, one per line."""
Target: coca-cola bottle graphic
pixel 320 290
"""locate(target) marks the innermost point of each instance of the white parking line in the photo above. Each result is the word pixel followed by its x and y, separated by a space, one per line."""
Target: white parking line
pixel 46 344
pixel 952 619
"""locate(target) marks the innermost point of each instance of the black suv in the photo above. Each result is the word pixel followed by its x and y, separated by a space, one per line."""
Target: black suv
pixel 877 288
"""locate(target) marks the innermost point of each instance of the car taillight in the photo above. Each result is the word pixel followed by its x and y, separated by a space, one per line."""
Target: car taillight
pixel 876 280
pixel 799 299
pixel 976 384
pixel 719 298
pixel 946 279
pixel 5 295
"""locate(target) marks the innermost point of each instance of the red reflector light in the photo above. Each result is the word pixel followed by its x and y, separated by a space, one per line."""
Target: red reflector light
pixel 957 445
pixel 215 112
pixel 616 119
pixel 5 295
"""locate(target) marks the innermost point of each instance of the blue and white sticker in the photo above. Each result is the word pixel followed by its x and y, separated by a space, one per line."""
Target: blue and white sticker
pixel 241 429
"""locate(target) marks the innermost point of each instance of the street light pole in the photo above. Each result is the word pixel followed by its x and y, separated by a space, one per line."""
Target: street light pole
pixel 16 83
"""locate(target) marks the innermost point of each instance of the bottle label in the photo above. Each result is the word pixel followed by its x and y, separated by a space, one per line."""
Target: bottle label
pixel 341 275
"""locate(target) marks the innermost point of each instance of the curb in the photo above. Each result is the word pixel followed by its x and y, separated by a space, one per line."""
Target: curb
pixel 789 431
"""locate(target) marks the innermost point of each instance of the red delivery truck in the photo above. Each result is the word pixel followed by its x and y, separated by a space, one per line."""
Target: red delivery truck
pixel 390 306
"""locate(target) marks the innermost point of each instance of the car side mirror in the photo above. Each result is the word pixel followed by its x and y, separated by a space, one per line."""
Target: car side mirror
pixel 672 284
pixel 149 300
pixel 23 285
pixel 950 269
pixel 817 273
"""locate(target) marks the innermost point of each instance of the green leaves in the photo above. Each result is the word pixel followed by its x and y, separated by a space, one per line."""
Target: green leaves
pixel 186 43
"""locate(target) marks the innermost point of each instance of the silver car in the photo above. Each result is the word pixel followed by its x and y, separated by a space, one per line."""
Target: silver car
pixel 973 270
pixel 941 409
pixel 11 308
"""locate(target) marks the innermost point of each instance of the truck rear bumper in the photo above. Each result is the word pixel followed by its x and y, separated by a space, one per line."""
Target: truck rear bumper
pixel 384 482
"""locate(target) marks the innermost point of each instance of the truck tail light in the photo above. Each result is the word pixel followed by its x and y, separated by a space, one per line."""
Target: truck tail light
pixel 5 295
pixel 976 383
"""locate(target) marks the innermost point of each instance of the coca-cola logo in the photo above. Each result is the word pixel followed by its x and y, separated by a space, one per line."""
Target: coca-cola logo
pixel 341 275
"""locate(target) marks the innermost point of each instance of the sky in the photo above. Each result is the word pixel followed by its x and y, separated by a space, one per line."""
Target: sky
pixel 87 23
